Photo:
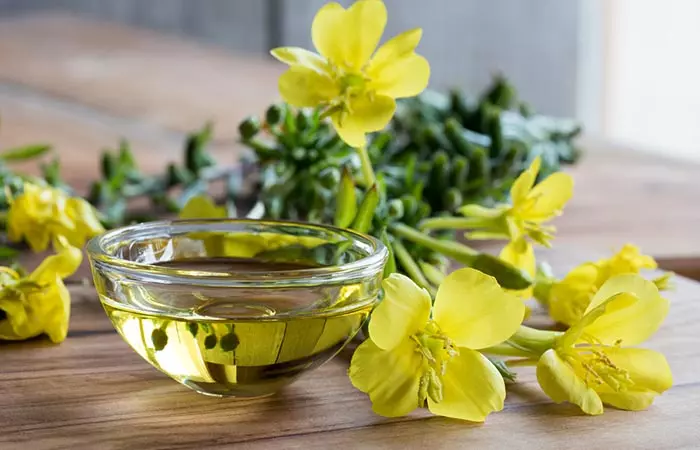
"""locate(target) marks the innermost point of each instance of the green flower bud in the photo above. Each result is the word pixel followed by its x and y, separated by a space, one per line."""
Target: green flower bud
pixel 274 114
pixel 249 128
pixel 109 166
pixel 395 209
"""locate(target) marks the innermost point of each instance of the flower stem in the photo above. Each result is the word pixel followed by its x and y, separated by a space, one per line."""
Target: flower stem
pixel 455 250
pixel 533 340
pixel 446 223
pixel 505 349
pixel 410 266
pixel 366 164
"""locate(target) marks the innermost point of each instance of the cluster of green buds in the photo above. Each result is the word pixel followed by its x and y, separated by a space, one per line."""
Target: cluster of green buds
pixel 121 180
pixel 300 159
pixel 471 151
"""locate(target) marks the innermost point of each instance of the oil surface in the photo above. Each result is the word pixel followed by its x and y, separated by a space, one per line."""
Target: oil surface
pixel 234 345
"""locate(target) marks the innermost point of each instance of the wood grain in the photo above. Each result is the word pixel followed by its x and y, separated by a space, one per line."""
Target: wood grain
pixel 93 391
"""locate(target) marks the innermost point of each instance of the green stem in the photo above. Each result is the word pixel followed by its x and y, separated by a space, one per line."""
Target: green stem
pixel 455 250
pixel 446 223
pixel 506 349
pixel 366 164
pixel 410 266
pixel 534 340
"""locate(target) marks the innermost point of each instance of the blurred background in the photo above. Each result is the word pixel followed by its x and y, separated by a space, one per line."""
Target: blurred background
pixel 623 67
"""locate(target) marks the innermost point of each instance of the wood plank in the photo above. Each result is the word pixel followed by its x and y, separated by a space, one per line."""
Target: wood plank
pixel 150 77
pixel 92 391
pixel 625 196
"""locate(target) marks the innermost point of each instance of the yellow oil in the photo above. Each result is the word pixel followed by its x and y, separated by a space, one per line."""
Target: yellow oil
pixel 214 348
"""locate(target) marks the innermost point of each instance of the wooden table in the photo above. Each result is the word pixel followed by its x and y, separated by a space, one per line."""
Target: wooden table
pixel 83 85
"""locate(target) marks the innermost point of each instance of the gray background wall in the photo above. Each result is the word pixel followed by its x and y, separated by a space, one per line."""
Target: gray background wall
pixel 534 42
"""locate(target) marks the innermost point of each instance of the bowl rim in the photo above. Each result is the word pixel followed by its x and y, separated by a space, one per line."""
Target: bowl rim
pixel 363 268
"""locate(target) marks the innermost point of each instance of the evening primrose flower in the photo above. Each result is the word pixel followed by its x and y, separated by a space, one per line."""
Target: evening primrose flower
pixel 417 354
pixel 41 213
pixel 524 219
pixel 594 362
pixel 530 208
pixel 570 297
pixel 354 84
pixel 38 303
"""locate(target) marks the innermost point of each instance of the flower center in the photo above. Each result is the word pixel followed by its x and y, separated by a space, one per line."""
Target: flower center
pixel 598 369
pixel 436 350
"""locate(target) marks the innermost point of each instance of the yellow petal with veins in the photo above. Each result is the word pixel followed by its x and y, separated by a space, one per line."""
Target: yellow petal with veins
pixel 404 310
pixel 632 324
pixel 295 56
pixel 303 87
pixel 474 311
pixel 523 184
pixel 472 388
pixel 365 22
pixel 561 383
pixel 405 77
pixel 365 116
pixel 551 195
pixel 328 31
pixel 391 378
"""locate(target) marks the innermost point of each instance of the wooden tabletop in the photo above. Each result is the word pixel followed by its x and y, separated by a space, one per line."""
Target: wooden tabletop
pixel 83 85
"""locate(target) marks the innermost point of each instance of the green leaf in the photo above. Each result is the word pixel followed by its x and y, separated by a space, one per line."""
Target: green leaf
pixel 346 207
pixel 365 214
pixel 24 153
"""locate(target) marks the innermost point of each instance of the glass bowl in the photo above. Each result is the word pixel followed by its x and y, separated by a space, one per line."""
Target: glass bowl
pixel 233 307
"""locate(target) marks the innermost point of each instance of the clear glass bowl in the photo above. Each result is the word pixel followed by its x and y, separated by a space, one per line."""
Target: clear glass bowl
pixel 236 307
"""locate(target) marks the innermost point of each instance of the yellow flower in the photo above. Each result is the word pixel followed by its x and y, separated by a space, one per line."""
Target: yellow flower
pixel 418 354
pixel 594 363
pixel 569 298
pixel 202 207
pixel 40 302
pixel 356 85
pixel 42 213
pixel 531 207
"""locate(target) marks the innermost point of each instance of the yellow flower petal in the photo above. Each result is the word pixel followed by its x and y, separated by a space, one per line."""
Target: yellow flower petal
pixel 551 195
pixel 472 388
pixel 295 56
pixel 570 297
pixel 303 87
pixel 631 400
pixel 62 264
pixel 56 327
pixel 365 22
pixel 390 377
pixel 406 77
pixel 561 383
pixel 474 311
pixel 404 310
pixel 328 32
pixel 396 48
pixel 365 116
pixel 634 323
pixel 523 184
pixel 648 369
pixel 521 254
pixel 202 207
